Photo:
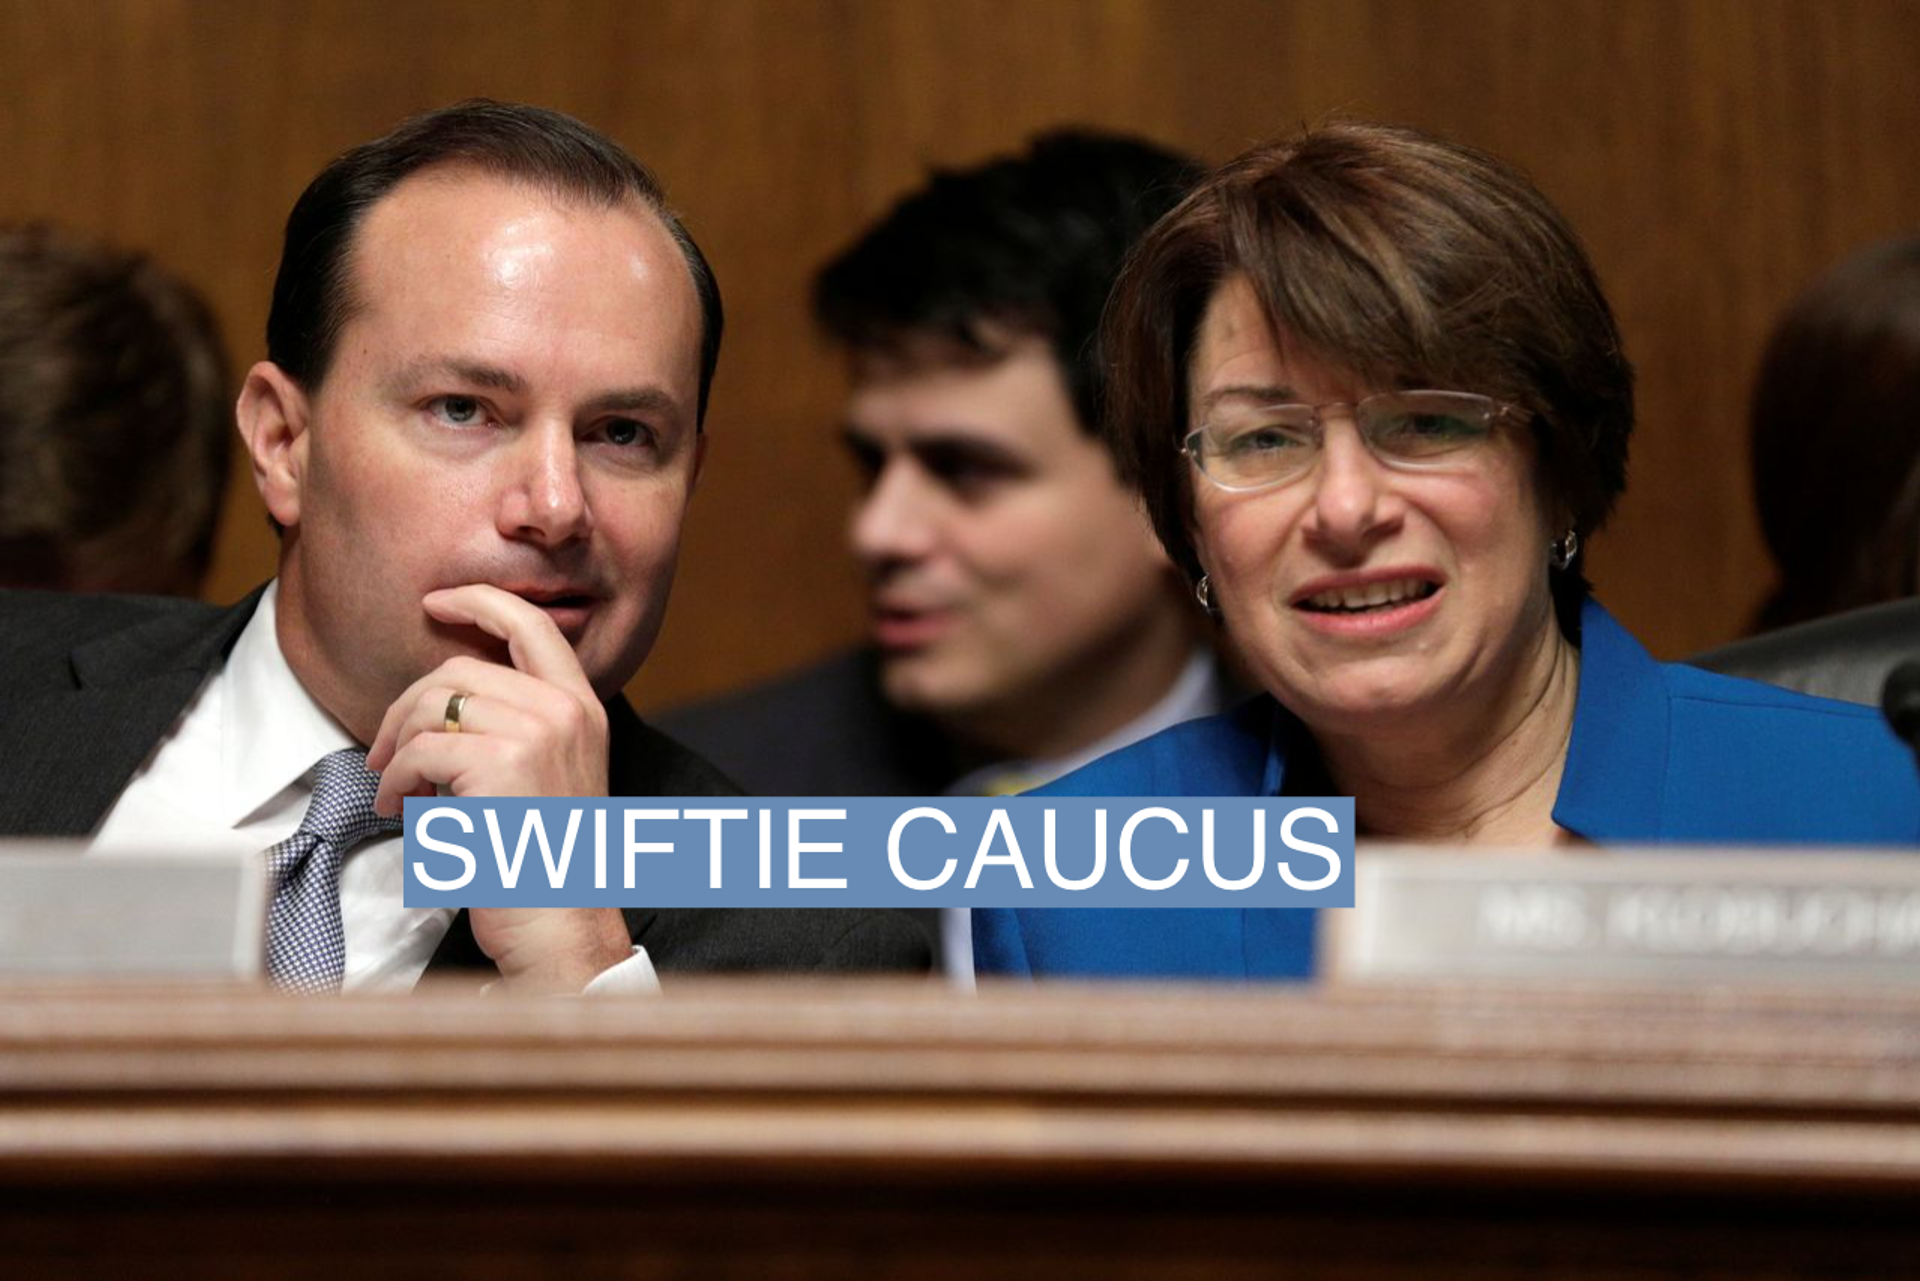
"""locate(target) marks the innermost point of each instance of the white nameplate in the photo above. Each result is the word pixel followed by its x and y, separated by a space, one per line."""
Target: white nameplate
pixel 1775 916
pixel 159 916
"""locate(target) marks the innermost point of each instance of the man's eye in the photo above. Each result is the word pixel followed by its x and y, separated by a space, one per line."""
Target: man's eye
pixel 960 471
pixel 969 477
pixel 461 411
pixel 628 431
pixel 867 461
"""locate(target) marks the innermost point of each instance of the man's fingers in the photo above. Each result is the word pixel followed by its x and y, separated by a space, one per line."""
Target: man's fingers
pixel 426 713
pixel 458 762
pixel 533 642
pixel 473 677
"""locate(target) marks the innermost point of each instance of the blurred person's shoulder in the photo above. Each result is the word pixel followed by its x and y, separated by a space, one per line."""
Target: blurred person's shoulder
pixel 822 730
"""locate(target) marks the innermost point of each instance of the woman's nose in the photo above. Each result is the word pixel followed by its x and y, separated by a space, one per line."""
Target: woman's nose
pixel 1352 502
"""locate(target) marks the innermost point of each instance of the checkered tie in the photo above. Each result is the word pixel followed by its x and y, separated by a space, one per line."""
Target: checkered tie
pixel 306 947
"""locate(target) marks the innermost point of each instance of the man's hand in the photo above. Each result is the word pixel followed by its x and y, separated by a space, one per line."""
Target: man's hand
pixel 533 729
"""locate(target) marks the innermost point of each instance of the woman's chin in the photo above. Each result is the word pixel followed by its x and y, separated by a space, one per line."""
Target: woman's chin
pixel 1354 703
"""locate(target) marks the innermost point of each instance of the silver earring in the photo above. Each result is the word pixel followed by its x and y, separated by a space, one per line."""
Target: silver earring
pixel 1562 550
pixel 1203 592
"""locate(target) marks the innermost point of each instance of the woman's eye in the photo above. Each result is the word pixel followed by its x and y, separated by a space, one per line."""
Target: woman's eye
pixel 1261 440
pixel 461 411
pixel 1432 426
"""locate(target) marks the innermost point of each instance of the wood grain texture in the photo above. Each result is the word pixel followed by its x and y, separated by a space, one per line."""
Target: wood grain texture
pixel 1714 153
pixel 731 1129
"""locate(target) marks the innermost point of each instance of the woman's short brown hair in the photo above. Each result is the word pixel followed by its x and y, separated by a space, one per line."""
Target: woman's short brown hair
pixel 1402 259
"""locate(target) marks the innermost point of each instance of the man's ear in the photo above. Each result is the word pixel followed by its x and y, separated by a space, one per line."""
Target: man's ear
pixel 699 461
pixel 273 414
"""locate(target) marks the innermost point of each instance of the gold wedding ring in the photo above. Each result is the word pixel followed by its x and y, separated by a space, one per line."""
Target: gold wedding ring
pixel 454 706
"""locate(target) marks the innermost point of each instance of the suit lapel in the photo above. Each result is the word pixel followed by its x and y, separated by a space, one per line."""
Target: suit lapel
pixel 128 690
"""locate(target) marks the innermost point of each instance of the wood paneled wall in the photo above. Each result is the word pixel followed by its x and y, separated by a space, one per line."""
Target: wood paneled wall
pixel 1715 154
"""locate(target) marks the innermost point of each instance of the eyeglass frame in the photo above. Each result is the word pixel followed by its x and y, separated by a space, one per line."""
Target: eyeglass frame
pixel 1496 411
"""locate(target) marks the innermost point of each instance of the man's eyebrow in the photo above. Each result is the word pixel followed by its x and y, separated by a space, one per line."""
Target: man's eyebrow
pixel 633 400
pixel 942 444
pixel 1252 393
pixel 974 449
pixel 470 373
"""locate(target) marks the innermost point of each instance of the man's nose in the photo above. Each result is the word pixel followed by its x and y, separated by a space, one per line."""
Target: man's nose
pixel 896 520
pixel 544 501
pixel 1354 502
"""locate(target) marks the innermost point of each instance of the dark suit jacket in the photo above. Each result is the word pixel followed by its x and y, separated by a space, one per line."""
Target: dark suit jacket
pixel 90 684
pixel 1846 656
pixel 825 730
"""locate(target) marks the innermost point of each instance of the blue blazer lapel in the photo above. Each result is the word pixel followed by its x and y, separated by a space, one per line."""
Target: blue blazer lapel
pixel 1614 786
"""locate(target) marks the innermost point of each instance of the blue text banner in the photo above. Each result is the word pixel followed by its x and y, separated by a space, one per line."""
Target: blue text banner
pixel 942 851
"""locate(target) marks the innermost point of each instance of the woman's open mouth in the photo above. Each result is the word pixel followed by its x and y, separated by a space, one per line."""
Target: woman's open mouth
pixel 1375 609
pixel 1370 598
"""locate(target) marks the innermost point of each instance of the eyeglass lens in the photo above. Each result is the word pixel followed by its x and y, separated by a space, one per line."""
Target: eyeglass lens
pixel 1269 444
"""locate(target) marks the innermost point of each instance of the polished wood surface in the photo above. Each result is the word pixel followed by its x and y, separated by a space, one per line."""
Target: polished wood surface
pixel 1716 153
pixel 904 1130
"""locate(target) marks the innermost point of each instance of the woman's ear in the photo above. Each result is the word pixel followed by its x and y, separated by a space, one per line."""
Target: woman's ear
pixel 1198 543
pixel 273 416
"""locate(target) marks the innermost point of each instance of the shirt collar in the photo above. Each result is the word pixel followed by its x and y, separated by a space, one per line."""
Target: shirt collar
pixel 273 732
pixel 1197 692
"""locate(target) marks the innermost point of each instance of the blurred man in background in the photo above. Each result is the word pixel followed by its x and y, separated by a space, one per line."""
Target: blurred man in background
pixel 1023 618
pixel 115 420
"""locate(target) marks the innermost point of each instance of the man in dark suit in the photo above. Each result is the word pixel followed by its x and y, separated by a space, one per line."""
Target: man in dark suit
pixel 1023 617
pixel 477 430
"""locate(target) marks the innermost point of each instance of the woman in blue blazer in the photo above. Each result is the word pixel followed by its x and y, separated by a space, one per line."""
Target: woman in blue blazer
pixel 1376 403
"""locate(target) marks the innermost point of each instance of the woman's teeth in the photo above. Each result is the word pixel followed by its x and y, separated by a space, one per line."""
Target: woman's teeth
pixel 1371 595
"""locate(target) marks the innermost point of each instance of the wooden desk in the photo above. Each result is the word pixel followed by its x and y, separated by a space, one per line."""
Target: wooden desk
pixel 901 1130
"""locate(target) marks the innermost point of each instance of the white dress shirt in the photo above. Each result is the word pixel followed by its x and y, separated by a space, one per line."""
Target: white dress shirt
pixel 234 776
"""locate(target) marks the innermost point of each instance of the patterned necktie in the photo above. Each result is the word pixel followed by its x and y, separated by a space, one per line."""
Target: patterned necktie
pixel 306 947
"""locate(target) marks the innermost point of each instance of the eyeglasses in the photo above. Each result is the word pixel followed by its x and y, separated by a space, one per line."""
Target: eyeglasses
pixel 1270 445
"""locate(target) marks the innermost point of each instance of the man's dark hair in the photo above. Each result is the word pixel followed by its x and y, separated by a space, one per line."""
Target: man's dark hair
pixel 1020 246
pixel 312 295
pixel 116 420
